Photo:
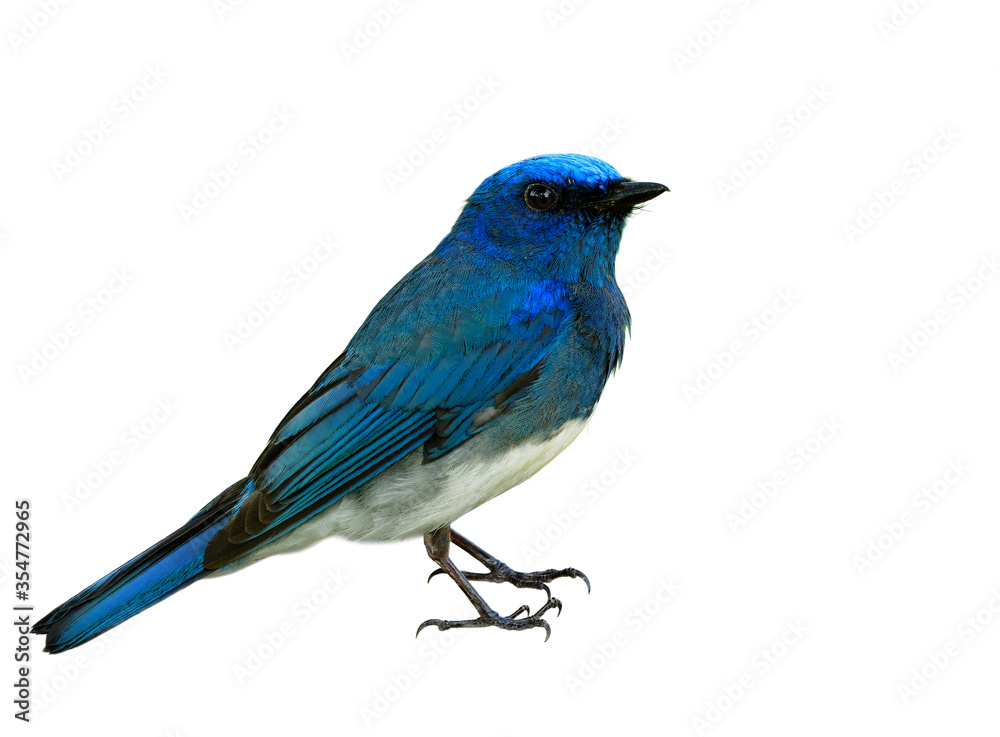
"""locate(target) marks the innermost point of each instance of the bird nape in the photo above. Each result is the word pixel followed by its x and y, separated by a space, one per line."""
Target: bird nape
pixel 475 370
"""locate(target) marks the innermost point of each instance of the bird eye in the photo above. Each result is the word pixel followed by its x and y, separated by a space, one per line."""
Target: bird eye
pixel 540 197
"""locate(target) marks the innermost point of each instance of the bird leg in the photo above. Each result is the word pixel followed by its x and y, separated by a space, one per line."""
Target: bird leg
pixel 500 572
pixel 437 544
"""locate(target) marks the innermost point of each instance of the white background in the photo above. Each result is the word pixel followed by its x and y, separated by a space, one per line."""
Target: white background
pixel 679 94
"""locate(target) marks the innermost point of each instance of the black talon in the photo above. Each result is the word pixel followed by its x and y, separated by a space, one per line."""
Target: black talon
pixel 573 573
pixel 430 622
pixel 494 620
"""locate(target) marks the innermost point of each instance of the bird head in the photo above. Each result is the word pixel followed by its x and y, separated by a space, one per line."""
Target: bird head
pixel 562 214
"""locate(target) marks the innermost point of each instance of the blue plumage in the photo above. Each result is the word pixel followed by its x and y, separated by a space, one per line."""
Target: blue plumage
pixel 466 378
pixel 172 564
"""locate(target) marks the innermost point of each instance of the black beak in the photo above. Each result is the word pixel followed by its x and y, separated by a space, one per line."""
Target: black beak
pixel 625 195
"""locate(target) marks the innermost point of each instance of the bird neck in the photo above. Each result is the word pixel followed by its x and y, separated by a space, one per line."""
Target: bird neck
pixel 590 258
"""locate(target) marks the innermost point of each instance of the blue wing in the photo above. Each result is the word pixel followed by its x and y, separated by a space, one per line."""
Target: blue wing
pixel 422 371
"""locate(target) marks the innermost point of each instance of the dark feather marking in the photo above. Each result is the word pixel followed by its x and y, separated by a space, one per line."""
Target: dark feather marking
pixel 223 549
pixel 502 402
pixel 517 386
pixel 364 392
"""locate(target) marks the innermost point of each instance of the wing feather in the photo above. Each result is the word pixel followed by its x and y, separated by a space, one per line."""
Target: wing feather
pixel 375 405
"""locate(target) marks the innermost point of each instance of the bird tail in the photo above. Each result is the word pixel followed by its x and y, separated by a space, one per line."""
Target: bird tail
pixel 167 567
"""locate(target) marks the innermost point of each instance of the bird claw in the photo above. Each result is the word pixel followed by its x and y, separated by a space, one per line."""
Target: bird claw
pixel 536 579
pixel 502 573
pixel 564 573
pixel 513 622
pixel 437 543
pixel 523 609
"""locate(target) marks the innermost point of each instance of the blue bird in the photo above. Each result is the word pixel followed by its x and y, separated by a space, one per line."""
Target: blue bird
pixel 480 366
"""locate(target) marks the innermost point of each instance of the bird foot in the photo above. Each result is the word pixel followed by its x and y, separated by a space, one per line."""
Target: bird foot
pixel 492 619
pixel 437 544
pixel 500 572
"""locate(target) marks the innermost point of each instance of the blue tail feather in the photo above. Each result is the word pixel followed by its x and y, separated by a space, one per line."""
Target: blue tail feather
pixel 170 565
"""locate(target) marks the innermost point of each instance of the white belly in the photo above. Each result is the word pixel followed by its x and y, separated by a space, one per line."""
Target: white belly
pixel 410 498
